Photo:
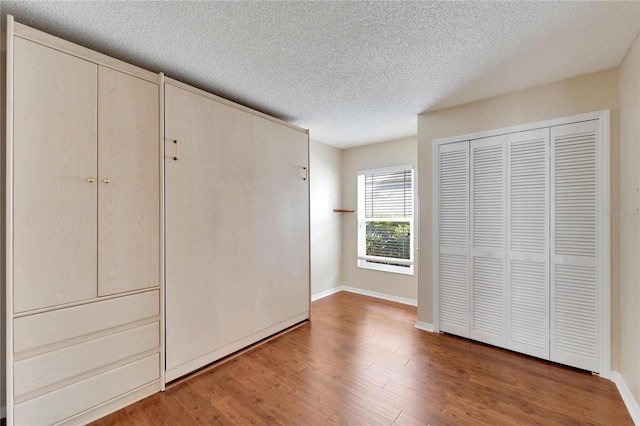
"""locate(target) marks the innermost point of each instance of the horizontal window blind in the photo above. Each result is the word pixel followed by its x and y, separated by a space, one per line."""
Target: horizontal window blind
pixel 388 195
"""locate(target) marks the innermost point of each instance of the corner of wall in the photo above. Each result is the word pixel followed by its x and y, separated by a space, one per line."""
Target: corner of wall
pixel 325 168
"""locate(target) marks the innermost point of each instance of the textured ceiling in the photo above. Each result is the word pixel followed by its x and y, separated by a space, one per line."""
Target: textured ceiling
pixel 351 72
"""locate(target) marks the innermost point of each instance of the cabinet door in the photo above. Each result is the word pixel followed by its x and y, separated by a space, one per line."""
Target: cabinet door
pixel 453 237
pixel 129 183
pixel 54 187
pixel 488 214
pixel 237 229
pixel 575 245
pixel 528 248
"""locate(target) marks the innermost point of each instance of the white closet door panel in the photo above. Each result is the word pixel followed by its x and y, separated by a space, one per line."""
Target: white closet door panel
pixel 529 308
pixel 453 195
pixel 574 309
pixel 454 294
pixel 574 245
pixel 129 205
pixel 55 201
pixel 488 232
pixel 528 254
pixel 453 237
pixel 237 229
pixel 488 300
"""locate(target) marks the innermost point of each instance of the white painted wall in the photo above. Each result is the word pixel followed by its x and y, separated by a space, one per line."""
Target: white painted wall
pixel 629 222
pixel 325 179
pixel 392 153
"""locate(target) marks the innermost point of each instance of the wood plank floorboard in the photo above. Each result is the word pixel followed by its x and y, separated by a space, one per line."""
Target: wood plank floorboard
pixel 361 361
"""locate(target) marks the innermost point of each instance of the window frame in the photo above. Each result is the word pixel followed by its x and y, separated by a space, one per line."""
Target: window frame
pixel 369 262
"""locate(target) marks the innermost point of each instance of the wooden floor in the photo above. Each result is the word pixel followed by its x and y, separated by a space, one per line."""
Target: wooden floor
pixel 361 361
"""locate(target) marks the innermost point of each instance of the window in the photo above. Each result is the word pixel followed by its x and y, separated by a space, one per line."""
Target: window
pixel 385 219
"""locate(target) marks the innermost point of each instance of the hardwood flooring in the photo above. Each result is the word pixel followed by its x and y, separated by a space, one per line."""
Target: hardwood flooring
pixel 360 361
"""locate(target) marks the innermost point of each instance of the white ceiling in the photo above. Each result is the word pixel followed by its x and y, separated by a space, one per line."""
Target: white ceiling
pixel 352 72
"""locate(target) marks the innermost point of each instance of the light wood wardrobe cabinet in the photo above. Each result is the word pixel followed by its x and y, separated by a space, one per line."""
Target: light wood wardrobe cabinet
pixel 83 256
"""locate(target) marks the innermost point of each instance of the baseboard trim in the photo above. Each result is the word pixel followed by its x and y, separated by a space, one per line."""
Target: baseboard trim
pixel 424 326
pixel 325 293
pixel 627 396
pixel 383 296
pixel 3 412
pixel 356 290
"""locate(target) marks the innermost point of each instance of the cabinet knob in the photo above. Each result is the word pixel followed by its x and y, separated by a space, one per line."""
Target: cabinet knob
pixel 106 180
pixel 527 257
pixel 90 180
pixel 487 253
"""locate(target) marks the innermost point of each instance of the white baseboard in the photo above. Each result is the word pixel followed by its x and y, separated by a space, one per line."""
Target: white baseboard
pixel 3 412
pixel 627 396
pixel 325 293
pixel 384 296
pixel 425 326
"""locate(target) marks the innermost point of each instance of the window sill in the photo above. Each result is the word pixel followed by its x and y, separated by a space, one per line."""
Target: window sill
pixel 363 264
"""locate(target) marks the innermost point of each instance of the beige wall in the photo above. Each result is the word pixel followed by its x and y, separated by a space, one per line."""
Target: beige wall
pixel 629 225
pixel 325 179
pixel 386 154
pixel 578 95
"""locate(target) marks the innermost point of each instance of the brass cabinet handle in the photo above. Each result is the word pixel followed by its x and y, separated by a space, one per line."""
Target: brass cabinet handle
pixel 106 180
pixel 177 144
pixel 90 180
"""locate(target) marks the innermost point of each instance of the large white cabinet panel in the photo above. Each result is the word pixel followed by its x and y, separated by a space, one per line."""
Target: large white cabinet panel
pixel 520 253
pixel 237 228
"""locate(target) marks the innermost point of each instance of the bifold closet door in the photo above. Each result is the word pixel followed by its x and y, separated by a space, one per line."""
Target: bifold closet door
pixel 237 229
pixel 575 245
pixel 527 247
pixel 453 237
pixel 54 183
pixel 487 231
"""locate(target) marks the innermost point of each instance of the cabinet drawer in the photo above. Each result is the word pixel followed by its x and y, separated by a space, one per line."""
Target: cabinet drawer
pixel 56 327
pixel 71 400
pixel 63 365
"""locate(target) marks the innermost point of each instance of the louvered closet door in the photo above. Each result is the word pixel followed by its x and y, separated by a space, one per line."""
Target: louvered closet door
pixel 488 208
pixel 574 245
pixel 453 237
pixel 527 242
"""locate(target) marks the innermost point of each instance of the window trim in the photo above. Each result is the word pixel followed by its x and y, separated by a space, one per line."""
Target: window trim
pixel 364 261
